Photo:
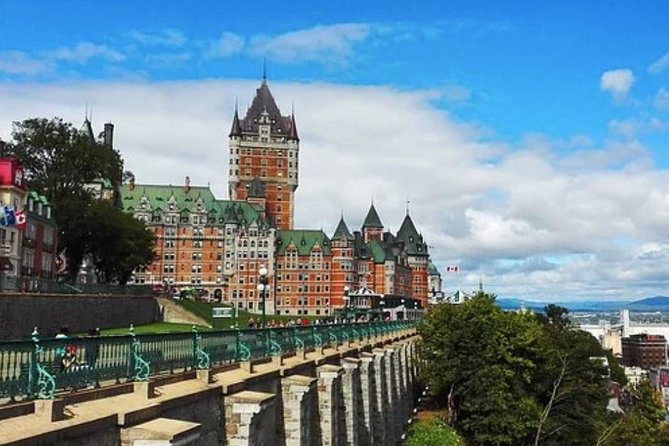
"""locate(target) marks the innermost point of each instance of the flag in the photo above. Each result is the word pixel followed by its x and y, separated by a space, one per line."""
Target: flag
pixel 10 217
pixel 452 269
pixel 20 219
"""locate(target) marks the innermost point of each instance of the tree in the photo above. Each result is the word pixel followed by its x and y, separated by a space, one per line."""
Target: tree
pixel 60 162
pixel 118 243
pixel 515 378
pixel 483 359
pixel 643 422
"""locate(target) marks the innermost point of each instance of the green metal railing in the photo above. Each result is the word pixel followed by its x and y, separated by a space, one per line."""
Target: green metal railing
pixel 39 368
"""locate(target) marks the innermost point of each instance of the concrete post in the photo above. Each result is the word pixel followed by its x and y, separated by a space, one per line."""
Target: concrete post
pixel 368 390
pixel 379 420
pixel 299 404
pixel 330 404
pixel 352 400
pixel 250 419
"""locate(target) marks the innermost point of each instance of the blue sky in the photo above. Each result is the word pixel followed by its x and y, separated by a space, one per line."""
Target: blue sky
pixel 531 137
pixel 525 66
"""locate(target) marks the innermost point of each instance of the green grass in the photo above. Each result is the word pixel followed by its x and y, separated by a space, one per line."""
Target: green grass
pixel 158 327
pixel 433 431
pixel 203 310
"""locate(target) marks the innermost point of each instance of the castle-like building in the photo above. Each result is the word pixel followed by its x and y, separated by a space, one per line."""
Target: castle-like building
pixel 220 245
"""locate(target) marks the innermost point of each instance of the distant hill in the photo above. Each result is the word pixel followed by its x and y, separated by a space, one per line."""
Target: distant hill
pixel 656 303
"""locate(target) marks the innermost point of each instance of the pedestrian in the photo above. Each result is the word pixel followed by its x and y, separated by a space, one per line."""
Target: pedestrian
pixel 252 323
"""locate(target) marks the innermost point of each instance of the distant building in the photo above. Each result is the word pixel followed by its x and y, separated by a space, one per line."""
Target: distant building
pixel 40 239
pixel 12 198
pixel 645 351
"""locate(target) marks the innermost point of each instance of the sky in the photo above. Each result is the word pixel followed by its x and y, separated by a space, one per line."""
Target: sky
pixel 527 139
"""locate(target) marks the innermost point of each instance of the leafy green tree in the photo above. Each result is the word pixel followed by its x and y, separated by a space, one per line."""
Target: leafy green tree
pixel 643 422
pixel 119 243
pixel 481 360
pixel 60 161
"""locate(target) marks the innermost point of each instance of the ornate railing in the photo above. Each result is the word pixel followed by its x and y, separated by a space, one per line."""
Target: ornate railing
pixel 40 368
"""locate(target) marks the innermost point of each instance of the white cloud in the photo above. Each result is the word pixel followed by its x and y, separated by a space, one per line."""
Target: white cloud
pixel 322 43
pixel 617 82
pixel 227 45
pixel 167 37
pixel 661 100
pixel 660 64
pixel 558 213
pixel 18 62
pixel 82 52
pixel 168 59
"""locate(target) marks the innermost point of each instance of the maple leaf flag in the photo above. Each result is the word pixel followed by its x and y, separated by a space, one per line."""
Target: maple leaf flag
pixel 20 217
pixel 452 269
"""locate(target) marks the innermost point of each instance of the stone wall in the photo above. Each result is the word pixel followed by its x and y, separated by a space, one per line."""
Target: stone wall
pixel 20 313
pixel 358 396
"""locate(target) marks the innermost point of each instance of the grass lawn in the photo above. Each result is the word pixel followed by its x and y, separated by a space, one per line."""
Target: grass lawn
pixel 203 310
pixel 158 327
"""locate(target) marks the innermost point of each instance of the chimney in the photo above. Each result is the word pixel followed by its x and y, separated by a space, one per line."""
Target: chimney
pixel 131 183
pixel 187 184
pixel 109 135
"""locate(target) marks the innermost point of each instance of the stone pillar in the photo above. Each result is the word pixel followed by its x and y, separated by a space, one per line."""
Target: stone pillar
pixel 250 419
pixel 393 421
pixel 299 405
pixel 330 405
pixel 368 391
pixel 380 416
pixel 352 401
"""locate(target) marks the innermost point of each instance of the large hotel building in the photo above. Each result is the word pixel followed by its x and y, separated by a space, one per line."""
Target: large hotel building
pixel 220 245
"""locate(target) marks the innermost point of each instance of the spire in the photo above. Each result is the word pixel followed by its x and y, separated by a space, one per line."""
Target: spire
pixel 407 229
pixel 481 284
pixel 292 132
pixel 342 230
pixel 236 129
pixel 264 70
pixel 372 220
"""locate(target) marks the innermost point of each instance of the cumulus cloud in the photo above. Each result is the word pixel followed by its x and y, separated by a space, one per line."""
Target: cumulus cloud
pixel 661 100
pixel 329 43
pixel 18 62
pixel 617 82
pixel 167 37
pixel 557 215
pixel 227 45
pixel 660 64
pixel 82 52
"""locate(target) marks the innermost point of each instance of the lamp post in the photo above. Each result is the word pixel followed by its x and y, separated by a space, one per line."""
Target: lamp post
pixel 262 288
pixel 347 298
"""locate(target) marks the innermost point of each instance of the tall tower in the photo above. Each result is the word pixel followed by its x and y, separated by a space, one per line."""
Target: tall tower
pixel 264 148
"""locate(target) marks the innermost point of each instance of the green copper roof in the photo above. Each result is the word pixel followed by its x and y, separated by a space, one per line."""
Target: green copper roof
pixel 186 200
pixel 372 220
pixel 431 269
pixel 302 239
pixel 378 250
pixel 342 230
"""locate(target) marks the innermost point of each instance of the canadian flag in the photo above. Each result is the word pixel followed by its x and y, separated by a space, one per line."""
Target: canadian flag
pixel 452 269
pixel 20 219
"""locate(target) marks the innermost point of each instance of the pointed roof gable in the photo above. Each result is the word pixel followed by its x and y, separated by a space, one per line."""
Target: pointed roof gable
pixel 372 220
pixel 407 229
pixel 264 101
pixel 292 131
pixel 342 230
pixel 236 129
pixel 412 239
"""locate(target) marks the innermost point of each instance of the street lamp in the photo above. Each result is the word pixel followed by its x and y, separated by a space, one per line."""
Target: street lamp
pixel 347 298
pixel 262 288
